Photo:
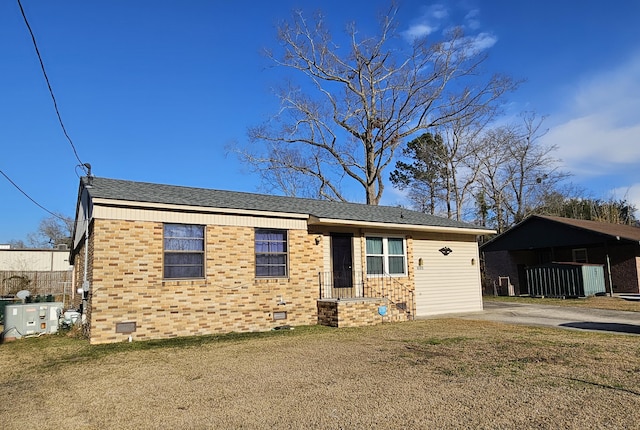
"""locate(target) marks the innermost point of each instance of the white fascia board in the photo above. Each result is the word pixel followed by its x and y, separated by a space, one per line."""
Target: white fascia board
pixel 393 226
pixel 202 209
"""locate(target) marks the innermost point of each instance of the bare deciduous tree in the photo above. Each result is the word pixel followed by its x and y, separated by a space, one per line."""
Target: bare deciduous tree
pixel 52 231
pixel 493 178
pixel 361 101
pixel 516 170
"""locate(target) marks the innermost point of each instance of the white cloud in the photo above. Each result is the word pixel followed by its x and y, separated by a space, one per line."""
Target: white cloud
pixel 417 31
pixel 438 11
pixel 630 194
pixel 472 20
pixel 482 41
pixel 598 133
pixel 436 16
pixel 592 145
pixel 601 128
pixel 428 22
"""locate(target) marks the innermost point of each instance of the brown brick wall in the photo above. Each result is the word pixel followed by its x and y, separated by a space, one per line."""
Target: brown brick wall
pixel 128 284
pixel 355 313
pixel 499 264
pixel 400 290
pixel 624 267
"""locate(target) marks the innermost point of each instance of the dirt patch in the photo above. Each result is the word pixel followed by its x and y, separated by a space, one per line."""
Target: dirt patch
pixel 444 373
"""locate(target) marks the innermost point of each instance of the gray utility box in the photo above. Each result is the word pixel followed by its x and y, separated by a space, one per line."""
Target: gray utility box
pixel 31 319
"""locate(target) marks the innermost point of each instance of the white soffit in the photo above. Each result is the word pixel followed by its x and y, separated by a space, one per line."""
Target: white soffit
pixel 412 227
pixel 201 209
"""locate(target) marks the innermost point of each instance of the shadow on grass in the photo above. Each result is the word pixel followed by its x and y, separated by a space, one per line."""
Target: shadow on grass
pixel 87 352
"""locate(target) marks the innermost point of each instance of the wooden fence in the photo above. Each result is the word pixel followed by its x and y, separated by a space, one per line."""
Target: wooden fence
pixel 53 283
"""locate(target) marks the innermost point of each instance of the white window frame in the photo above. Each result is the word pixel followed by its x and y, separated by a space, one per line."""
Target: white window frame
pixel 385 256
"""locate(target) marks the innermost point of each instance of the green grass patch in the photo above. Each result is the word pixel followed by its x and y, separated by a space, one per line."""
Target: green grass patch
pixel 442 341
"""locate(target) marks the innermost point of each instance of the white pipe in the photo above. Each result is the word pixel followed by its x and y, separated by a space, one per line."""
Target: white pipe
pixel 85 282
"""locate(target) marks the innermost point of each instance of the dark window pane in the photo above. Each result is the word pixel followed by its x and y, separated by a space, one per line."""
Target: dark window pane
pixel 178 259
pixel 395 246
pixel 271 253
pixel 271 259
pixel 271 271
pixel 271 246
pixel 173 244
pixel 269 235
pixel 184 251
pixel 183 230
pixel 374 245
pixel 183 272
pixel 396 265
pixel 374 265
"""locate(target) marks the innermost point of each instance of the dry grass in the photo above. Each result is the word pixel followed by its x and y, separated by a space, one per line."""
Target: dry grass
pixel 445 373
pixel 602 302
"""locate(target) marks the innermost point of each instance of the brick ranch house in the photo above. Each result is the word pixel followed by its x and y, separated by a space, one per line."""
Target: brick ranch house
pixel 159 261
pixel 540 240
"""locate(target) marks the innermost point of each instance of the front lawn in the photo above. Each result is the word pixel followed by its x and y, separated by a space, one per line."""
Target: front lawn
pixel 439 373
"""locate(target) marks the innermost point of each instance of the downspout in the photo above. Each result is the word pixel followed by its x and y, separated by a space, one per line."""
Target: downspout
pixel 608 260
pixel 609 274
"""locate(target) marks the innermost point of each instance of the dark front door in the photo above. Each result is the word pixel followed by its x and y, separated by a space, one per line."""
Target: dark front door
pixel 342 265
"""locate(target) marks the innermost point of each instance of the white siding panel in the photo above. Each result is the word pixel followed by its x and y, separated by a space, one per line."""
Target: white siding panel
pixel 326 253
pixel 34 260
pixel 197 218
pixel 358 264
pixel 82 218
pixel 447 284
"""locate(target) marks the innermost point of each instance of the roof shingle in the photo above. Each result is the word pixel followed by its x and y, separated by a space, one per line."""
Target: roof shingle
pixel 614 230
pixel 177 195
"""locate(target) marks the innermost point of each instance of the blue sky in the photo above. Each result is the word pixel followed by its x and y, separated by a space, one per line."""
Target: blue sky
pixel 155 90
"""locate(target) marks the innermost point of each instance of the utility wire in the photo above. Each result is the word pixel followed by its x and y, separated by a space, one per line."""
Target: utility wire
pixel 29 197
pixel 46 78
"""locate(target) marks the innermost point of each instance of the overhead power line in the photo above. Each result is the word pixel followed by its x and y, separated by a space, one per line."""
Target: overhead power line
pixel 29 197
pixel 46 78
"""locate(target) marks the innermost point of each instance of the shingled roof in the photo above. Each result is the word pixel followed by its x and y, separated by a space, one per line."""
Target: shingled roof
pixel 130 191
pixel 541 231
pixel 623 231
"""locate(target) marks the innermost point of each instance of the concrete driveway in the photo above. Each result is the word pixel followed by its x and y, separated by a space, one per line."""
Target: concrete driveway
pixel 559 316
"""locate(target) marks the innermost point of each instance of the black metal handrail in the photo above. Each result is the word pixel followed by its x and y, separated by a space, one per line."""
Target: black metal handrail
pixel 352 284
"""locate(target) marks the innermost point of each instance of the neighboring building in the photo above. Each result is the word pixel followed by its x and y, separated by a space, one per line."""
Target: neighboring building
pixel 40 271
pixel 165 261
pixel 41 260
pixel 539 240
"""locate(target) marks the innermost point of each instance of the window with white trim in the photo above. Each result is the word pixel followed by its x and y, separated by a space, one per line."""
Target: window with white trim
pixel 386 255
pixel 271 253
pixel 183 251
